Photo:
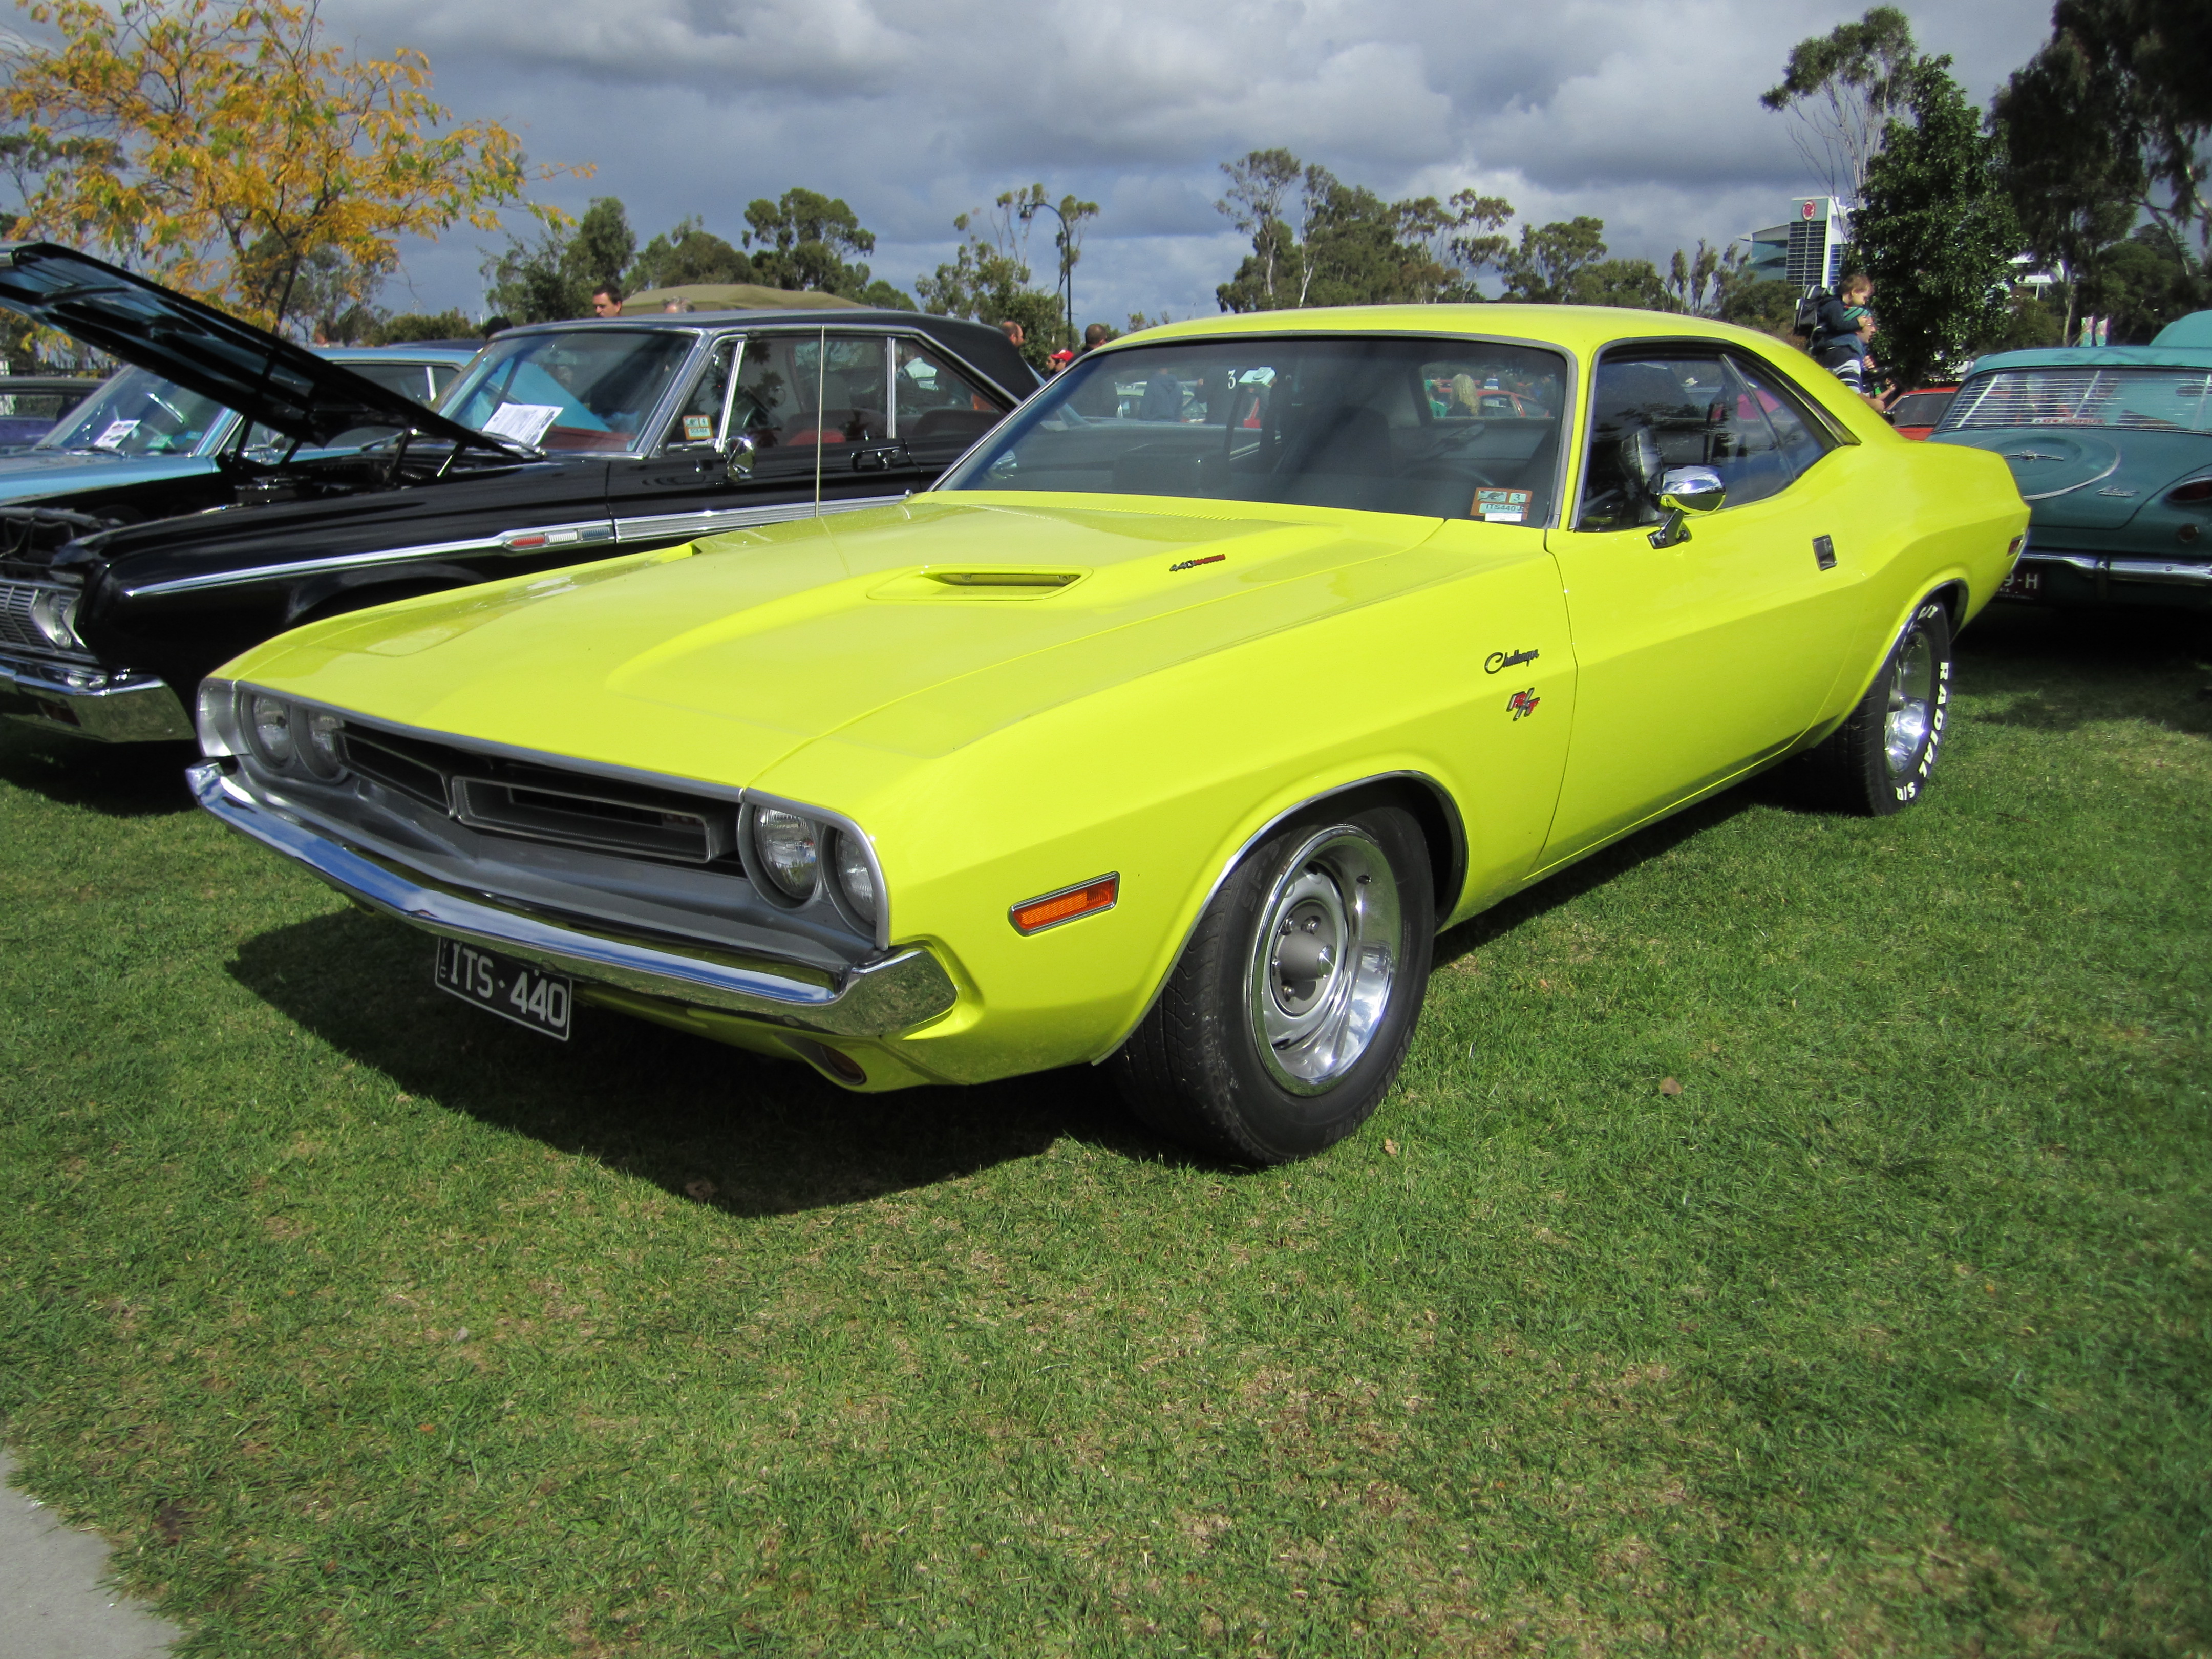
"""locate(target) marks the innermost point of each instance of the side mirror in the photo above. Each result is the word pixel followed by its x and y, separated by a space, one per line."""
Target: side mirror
pixel 738 463
pixel 1687 492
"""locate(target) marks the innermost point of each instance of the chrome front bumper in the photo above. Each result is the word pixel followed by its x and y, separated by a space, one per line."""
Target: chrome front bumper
pixel 869 999
pixel 91 703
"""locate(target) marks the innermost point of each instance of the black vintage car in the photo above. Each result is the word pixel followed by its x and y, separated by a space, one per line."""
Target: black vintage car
pixel 560 442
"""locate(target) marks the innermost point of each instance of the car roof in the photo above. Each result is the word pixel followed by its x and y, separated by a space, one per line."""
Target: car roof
pixel 2147 356
pixel 1580 329
pixel 407 351
pixel 981 346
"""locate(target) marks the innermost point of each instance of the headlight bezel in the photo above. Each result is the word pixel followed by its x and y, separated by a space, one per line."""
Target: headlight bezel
pixel 229 728
pixel 53 614
pixel 834 835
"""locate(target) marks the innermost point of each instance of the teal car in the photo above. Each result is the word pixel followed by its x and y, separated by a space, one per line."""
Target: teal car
pixel 2112 448
pixel 139 431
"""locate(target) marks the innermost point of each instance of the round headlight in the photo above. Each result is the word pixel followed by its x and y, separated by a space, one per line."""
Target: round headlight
pixel 854 879
pixel 786 846
pixel 269 726
pixel 321 750
pixel 53 613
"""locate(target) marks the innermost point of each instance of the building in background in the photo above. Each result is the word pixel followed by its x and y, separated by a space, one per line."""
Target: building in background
pixel 1807 250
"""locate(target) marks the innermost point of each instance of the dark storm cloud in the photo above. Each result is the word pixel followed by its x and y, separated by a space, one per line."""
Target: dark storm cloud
pixel 1646 115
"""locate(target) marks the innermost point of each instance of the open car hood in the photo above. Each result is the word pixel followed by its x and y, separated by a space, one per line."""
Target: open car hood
pixel 283 387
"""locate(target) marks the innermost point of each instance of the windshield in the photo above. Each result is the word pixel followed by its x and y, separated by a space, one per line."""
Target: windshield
pixel 1440 428
pixel 591 389
pixel 137 413
pixel 2130 399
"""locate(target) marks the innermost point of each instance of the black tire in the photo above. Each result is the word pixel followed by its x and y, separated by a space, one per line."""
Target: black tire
pixel 1219 1064
pixel 1881 759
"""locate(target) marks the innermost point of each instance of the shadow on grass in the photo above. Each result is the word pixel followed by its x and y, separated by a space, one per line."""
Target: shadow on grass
pixel 715 1125
pixel 2062 669
pixel 123 781
pixel 1768 789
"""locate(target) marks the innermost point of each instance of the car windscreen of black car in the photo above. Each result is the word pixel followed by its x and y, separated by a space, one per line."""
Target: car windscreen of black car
pixel 589 389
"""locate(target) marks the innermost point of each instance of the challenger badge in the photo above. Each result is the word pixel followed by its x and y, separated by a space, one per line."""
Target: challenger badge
pixel 1499 661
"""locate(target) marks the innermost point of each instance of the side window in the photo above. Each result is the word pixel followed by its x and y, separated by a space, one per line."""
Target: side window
pixel 698 423
pixel 1801 441
pixel 767 405
pixel 932 398
pixel 1650 413
pixel 1647 413
pixel 855 405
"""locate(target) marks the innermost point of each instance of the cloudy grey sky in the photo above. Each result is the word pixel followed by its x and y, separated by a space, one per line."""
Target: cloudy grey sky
pixel 1646 115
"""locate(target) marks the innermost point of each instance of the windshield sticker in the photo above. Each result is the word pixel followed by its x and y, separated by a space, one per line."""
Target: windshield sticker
pixel 116 432
pixel 698 429
pixel 524 422
pixel 1501 505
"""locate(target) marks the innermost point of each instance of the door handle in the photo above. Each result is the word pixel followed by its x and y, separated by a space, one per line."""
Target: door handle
pixel 880 457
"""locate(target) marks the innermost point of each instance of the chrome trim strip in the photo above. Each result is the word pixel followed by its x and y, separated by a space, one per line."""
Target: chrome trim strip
pixel 684 526
pixel 115 708
pixel 2171 572
pixel 588 531
pixel 872 999
pixel 690 527
pixel 1458 866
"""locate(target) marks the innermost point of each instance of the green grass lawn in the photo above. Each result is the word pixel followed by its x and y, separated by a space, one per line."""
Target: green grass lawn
pixel 367 1324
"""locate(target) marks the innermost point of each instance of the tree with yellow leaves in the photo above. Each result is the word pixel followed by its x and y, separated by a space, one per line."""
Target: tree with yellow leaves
pixel 225 148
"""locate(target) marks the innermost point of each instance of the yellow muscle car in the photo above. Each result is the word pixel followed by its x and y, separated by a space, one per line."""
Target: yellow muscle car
pixel 1168 729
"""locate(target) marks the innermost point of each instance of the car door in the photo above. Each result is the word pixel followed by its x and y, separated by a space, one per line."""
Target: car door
pixel 1699 659
pixel 938 409
pixel 758 388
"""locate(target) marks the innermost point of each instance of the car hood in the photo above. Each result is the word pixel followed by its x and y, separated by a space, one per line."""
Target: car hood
pixel 917 628
pixel 29 473
pixel 2090 479
pixel 285 386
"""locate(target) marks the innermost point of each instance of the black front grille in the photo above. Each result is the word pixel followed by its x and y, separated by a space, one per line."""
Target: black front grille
pixel 544 803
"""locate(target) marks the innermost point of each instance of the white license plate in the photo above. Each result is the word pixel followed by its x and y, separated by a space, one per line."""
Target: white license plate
pixel 513 990
pixel 2026 582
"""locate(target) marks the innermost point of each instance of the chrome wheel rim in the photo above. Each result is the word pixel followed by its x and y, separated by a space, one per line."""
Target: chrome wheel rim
pixel 1324 960
pixel 1911 703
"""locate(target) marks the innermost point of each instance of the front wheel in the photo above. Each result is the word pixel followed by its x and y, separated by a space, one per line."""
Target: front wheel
pixel 1883 754
pixel 1290 1012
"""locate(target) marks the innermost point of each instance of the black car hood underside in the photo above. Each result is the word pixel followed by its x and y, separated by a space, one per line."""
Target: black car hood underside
pixel 283 387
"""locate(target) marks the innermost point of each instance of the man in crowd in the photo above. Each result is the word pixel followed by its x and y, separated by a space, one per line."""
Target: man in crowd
pixel 606 300
pixel 1012 330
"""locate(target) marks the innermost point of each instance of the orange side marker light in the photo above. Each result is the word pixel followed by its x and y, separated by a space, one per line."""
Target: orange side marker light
pixel 1083 899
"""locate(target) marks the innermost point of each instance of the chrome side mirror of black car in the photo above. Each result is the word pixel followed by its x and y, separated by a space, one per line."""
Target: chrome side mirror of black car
pixel 1687 493
pixel 738 463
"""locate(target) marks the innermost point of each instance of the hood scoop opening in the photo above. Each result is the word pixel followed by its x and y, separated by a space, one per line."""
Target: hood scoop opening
pixel 941 583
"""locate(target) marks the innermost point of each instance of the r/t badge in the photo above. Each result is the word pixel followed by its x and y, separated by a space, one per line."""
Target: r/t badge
pixel 1522 702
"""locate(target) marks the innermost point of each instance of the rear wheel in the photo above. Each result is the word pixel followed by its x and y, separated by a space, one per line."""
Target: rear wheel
pixel 1883 754
pixel 1287 1017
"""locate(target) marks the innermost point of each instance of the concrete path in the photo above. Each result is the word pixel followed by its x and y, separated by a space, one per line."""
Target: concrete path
pixel 53 1603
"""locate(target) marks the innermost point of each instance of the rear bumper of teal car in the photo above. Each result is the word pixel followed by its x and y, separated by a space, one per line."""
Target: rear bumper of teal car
pixel 2058 577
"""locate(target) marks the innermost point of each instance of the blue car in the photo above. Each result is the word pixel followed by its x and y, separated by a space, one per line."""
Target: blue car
pixel 140 432
pixel 2112 448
